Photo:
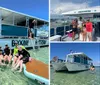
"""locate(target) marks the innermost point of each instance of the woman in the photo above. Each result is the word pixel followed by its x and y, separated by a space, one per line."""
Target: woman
pixel 84 31
pixel 80 27
pixel 23 57
pixel 74 28
pixel 7 54
pixel 15 54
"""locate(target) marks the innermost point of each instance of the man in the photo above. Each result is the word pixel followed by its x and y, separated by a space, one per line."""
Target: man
pixel 23 57
pixel 89 29
pixel 7 54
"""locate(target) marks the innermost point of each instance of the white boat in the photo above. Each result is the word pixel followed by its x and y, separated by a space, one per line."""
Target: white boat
pixel 14 28
pixel 77 62
pixel 59 65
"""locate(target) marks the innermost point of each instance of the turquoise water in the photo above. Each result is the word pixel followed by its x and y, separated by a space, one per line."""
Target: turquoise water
pixel 78 78
pixel 7 77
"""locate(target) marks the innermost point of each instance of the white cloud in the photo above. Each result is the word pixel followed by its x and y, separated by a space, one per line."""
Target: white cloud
pixel 96 63
pixel 58 7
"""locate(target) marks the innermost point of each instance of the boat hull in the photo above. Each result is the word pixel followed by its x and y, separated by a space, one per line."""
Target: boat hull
pixel 59 66
pixel 76 66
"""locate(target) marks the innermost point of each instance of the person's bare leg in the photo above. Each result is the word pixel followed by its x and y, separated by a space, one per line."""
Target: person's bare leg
pixel 21 66
pixel 16 67
pixel 1 58
pixel 9 59
pixel 90 37
pixel 5 58
pixel 14 61
pixel 73 36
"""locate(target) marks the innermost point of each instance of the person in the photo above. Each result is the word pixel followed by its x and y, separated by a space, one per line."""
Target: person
pixel 7 54
pixel 84 32
pixel 1 56
pixel 31 26
pixel 15 54
pixel 31 36
pixel 74 28
pixel 89 29
pixel 80 27
pixel 23 57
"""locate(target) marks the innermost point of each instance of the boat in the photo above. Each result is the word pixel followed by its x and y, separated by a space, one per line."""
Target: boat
pixel 14 28
pixel 92 13
pixel 58 65
pixel 37 70
pixel 77 62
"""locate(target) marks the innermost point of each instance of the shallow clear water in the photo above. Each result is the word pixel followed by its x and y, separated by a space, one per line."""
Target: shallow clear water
pixel 78 78
pixel 7 77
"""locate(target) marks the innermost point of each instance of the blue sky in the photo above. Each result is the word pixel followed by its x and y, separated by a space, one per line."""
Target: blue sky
pixel 38 8
pixel 59 6
pixel 90 49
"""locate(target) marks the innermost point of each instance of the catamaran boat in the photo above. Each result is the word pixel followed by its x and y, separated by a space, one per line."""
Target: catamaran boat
pixel 60 33
pixel 58 64
pixel 77 62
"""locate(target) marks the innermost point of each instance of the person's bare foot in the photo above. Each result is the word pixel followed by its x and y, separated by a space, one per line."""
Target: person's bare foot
pixel 2 64
pixel 19 71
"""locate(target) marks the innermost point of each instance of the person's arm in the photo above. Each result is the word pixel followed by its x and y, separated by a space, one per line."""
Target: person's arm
pixel 91 27
pixel 10 51
pixel 28 54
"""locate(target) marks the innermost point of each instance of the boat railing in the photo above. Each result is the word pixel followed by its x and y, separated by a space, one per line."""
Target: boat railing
pixel 60 30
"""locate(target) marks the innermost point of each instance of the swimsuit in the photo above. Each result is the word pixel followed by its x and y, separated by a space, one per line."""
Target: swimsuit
pixel 7 51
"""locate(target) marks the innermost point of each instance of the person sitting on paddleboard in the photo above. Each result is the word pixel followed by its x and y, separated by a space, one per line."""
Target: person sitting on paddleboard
pixel 15 54
pixel 1 56
pixel 24 57
pixel 7 54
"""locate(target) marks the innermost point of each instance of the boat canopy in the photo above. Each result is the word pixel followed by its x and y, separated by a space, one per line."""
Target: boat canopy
pixel 10 17
pixel 95 10
pixel 82 55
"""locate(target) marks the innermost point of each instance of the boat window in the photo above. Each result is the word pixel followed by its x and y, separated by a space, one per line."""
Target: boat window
pixel 85 60
pixel 70 58
pixel 76 58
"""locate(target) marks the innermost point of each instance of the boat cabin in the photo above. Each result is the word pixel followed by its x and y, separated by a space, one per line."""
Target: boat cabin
pixel 78 58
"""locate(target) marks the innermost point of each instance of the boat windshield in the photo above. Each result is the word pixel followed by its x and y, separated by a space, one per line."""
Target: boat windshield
pixel 70 58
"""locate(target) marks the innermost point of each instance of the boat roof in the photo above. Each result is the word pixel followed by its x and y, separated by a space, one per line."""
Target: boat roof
pixel 93 10
pixel 18 16
pixel 80 53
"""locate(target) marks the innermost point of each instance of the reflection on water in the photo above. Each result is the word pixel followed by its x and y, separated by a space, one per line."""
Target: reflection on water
pixel 7 77
pixel 79 78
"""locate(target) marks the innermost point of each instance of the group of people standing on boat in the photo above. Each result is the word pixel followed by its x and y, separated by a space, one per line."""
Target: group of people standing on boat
pixel 16 59
pixel 83 28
